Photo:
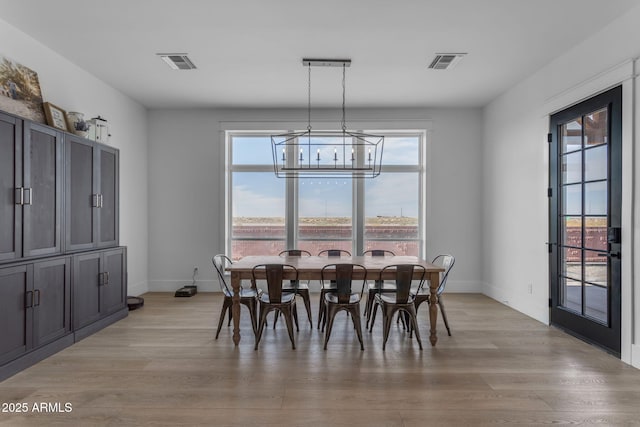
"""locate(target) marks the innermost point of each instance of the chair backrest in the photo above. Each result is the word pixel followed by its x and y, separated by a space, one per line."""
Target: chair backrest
pixel 334 253
pixel 445 261
pixel 220 262
pixel 273 274
pixel 378 252
pixel 295 252
pixel 404 276
pixel 342 275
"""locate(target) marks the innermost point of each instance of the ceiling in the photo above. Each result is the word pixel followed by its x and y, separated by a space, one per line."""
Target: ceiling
pixel 249 53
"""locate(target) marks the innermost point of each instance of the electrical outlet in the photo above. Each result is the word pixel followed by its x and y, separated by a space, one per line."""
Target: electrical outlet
pixel 530 288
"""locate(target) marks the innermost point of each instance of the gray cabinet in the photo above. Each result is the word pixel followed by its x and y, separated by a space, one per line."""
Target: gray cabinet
pixel 35 302
pixel 91 188
pixel 99 285
pixel 30 189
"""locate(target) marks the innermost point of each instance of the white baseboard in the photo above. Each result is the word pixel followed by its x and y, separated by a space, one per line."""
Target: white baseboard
pixel 635 356
pixel 137 289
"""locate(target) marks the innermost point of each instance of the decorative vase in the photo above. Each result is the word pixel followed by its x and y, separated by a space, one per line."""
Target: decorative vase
pixel 77 123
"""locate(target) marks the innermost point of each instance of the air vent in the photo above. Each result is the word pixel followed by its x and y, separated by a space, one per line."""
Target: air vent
pixel 177 61
pixel 446 61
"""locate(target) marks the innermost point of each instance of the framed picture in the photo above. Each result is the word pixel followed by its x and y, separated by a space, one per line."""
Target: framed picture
pixel 20 90
pixel 56 116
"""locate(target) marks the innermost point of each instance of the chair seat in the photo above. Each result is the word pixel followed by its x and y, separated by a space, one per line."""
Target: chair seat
pixel 286 298
pixel 244 293
pixel 391 299
pixel 332 297
pixel 289 287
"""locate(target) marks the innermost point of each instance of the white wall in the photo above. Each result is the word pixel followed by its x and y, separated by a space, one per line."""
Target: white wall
pixel 515 175
pixel 73 89
pixel 186 194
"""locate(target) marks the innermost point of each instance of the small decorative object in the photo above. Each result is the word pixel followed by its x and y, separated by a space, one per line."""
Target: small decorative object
pixel 56 116
pixel 77 124
pixel 99 130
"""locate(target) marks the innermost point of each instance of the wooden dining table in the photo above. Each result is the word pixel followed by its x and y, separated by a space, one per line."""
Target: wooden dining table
pixel 309 268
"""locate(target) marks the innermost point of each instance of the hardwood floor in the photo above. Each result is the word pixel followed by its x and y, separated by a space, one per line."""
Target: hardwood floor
pixel 162 366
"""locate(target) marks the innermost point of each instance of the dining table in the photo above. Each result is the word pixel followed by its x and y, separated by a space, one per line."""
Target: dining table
pixel 310 268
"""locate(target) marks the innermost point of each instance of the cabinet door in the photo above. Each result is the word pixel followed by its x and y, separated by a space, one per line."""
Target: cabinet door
pixel 87 276
pixel 43 190
pixel 109 187
pixel 113 292
pixel 16 300
pixel 51 306
pixel 10 180
pixel 81 192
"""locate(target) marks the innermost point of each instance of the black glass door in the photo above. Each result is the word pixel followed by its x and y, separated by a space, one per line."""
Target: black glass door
pixel 585 219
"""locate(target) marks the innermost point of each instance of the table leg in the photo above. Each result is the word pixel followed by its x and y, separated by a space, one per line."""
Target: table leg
pixel 235 306
pixel 434 281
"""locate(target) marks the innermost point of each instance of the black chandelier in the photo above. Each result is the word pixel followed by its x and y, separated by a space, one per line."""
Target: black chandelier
pixel 327 153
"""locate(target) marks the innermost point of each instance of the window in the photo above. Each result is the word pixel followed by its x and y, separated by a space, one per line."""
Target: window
pixel 269 214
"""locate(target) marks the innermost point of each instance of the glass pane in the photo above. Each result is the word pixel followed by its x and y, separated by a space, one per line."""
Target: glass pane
pixel 595 233
pixel 572 167
pixel 571 294
pixel 401 150
pixel 315 246
pixel 571 136
pixel 258 205
pixel 324 209
pixel 596 302
pixel 391 206
pixel 596 163
pixel 251 150
pixel 242 248
pixel 402 247
pixel 572 198
pixel 595 128
pixel 595 198
pixel 595 268
pixel 571 265
pixel 572 231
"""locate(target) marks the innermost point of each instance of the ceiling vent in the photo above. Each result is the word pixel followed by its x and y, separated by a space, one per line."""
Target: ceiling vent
pixel 446 61
pixel 177 61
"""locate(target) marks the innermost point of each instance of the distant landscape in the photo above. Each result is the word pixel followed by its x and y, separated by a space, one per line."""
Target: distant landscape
pixel 328 221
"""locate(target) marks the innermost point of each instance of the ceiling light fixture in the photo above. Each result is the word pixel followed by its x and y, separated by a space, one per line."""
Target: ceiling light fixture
pixel 177 61
pixel 327 153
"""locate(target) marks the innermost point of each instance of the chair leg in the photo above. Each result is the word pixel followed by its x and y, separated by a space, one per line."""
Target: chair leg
pixel 413 320
pixel 444 314
pixel 251 305
pixel 373 316
pixel 321 308
pixel 287 317
pixel 357 324
pixel 329 316
pixel 230 315
pixel 295 315
pixel 263 321
pixel 386 320
pixel 369 306
pixel 225 306
pixel 304 293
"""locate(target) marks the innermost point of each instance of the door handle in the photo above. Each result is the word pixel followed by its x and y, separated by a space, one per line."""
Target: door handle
pixel 611 255
pixel 19 196
pixel 28 200
pixel 37 291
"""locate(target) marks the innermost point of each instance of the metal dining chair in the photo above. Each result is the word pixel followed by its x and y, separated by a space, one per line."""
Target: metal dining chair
pixel 377 286
pixel 275 298
pixel 331 284
pixel 445 261
pixel 248 297
pixel 402 300
pixel 343 298
pixel 295 286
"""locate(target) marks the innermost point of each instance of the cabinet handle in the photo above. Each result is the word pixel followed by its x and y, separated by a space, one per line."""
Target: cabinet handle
pixel 28 299
pixel 107 273
pixel 19 196
pixel 101 279
pixel 101 201
pixel 37 292
pixel 94 201
pixel 28 200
